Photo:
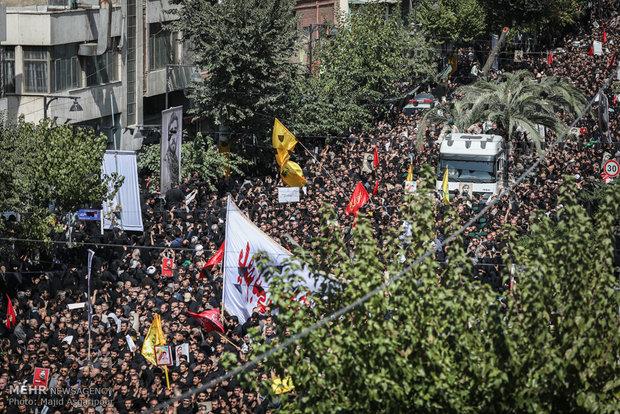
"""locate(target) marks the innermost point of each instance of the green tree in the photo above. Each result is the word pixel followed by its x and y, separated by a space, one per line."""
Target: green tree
pixel 198 156
pixel 517 100
pixel 563 353
pixel 355 70
pixel 245 47
pixel 436 340
pixel 49 170
pixel 460 21
pixel 536 16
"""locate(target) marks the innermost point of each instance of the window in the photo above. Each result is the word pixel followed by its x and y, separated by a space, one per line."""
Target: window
pixel 104 68
pixel 162 46
pixel 466 170
pixel 65 71
pixel 35 69
pixel 8 69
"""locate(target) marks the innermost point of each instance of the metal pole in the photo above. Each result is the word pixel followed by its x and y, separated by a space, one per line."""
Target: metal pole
pixel 310 48
pixel 45 107
pixel 113 129
pixel 167 80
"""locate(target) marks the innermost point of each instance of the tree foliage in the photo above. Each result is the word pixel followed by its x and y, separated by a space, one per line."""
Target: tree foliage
pixel 460 21
pixel 536 16
pixel 245 47
pixel 437 340
pixel 49 170
pixel 198 156
pixel 356 69
pixel 516 101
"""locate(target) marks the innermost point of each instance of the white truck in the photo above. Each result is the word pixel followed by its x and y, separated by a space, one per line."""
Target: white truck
pixel 476 164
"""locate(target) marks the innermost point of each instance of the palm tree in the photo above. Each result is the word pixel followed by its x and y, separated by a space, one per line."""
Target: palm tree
pixel 516 100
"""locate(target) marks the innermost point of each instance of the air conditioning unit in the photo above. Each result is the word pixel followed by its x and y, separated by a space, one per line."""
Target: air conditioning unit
pixel 87 49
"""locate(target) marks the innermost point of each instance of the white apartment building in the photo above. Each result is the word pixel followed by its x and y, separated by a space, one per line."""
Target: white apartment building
pixel 112 57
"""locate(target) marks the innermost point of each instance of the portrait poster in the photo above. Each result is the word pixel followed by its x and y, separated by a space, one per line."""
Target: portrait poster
pixel 167 266
pixel 411 187
pixel 41 377
pixel 181 350
pixel 466 190
pixel 163 356
pixel 171 139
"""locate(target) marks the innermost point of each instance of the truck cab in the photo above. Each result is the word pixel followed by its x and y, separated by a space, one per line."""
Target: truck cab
pixel 477 162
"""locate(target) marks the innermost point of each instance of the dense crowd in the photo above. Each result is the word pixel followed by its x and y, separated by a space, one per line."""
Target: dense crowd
pixel 187 225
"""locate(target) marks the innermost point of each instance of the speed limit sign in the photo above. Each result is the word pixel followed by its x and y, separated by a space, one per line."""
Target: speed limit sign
pixel 612 168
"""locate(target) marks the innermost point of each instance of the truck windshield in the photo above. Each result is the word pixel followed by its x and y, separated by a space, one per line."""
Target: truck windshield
pixel 470 170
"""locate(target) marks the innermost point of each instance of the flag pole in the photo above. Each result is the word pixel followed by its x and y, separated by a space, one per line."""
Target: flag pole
pixel 223 264
pixel 167 379
pixel 228 340
pixel 91 254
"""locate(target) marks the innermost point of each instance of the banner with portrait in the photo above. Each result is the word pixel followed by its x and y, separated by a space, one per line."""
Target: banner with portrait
pixel 124 210
pixel 171 139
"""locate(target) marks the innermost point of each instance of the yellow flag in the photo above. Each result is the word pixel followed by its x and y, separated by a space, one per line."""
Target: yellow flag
pixel 281 386
pixel 445 188
pixel 292 174
pixel 282 156
pixel 410 173
pixel 154 338
pixel 453 63
pixel 224 148
pixel 282 137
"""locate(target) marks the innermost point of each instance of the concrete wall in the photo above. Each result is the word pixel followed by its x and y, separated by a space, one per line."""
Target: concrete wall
pixel 96 102
pixel 31 28
pixel 157 11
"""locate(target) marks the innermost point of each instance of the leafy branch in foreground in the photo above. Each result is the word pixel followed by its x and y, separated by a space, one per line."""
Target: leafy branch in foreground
pixel 439 340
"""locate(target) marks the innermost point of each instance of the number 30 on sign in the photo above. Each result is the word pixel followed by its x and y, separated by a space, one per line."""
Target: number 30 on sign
pixel 612 168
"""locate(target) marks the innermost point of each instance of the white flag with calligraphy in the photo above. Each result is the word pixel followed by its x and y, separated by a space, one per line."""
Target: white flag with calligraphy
pixel 245 289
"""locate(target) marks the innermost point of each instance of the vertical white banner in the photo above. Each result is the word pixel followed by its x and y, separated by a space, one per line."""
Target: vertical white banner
pixel 124 210
pixel 245 288
pixel 171 139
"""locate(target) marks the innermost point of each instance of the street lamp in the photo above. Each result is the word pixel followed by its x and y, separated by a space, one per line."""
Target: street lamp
pixel 195 77
pixel 47 100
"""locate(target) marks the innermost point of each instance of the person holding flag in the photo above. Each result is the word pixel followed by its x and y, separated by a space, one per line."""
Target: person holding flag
pixel 445 188
pixel 11 316
pixel 358 199
pixel 155 337
pixel 284 141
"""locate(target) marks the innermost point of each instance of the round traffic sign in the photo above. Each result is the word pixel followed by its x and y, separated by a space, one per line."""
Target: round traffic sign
pixel 612 168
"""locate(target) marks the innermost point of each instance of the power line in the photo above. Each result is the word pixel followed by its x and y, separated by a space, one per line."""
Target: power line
pixel 333 317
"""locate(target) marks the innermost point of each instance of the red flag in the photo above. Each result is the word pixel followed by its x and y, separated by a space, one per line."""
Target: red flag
pixel 591 51
pixel 615 99
pixel 550 59
pixel 209 320
pixel 358 199
pixel 10 314
pixel 604 35
pixel 376 187
pixel 376 160
pixel 612 60
pixel 217 258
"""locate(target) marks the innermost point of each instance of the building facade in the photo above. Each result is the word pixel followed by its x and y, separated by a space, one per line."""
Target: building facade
pixel 110 58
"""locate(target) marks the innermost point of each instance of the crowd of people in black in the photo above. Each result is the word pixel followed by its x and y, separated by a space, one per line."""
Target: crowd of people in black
pixel 101 369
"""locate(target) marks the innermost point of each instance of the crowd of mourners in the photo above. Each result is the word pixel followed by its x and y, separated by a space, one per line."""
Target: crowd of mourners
pixel 101 370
